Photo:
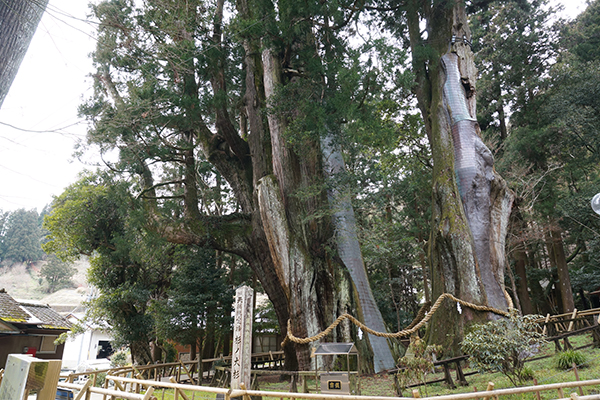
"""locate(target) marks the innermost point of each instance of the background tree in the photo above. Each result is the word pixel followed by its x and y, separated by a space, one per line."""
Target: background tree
pixel 57 274
pixel 551 159
pixel 127 267
pixel 22 237
pixel 514 45
pixel 198 304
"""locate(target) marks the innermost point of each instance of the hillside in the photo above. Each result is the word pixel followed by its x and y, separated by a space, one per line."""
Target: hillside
pixel 23 283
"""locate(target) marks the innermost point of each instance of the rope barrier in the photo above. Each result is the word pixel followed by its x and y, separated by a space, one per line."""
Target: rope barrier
pixel 421 319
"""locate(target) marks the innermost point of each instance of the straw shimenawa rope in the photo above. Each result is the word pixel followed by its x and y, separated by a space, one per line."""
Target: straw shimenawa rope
pixel 421 319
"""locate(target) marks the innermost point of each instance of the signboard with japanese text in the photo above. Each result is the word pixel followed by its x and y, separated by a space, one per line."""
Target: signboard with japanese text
pixel 335 382
pixel 242 338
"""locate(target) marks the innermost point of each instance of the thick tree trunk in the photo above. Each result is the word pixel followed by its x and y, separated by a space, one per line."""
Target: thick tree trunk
pixel 471 203
pixel 18 21
pixel 140 353
pixel 317 288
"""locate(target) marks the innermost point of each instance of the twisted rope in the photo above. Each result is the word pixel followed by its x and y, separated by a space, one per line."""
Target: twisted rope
pixel 421 319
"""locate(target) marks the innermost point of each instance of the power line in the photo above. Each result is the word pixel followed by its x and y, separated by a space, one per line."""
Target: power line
pixel 57 130
pixel 27 176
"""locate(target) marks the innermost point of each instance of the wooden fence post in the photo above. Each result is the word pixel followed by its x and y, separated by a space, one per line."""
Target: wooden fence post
pixel 490 387
pixel 577 378
pixel 537 393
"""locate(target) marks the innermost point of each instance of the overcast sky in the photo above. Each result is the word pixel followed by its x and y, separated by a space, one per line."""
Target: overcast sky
pixel 38 120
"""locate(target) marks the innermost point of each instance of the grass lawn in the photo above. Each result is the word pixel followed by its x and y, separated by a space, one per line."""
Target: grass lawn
pixel 545 372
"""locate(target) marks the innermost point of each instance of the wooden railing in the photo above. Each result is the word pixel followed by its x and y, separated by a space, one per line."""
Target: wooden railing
pixel 182 371
pixel 130 388
pixel 562 326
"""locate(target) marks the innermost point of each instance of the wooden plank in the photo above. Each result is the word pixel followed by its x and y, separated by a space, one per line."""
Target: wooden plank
pixel 572 318
pixel 48 392
pixel 83 390
pixel 177 390
pixel 573 333
pixel 545 324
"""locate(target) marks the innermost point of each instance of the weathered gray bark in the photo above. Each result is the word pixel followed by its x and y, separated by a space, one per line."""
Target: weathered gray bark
pixel 18 22
pixel 291 238
pixel 349 251
pixel 471 203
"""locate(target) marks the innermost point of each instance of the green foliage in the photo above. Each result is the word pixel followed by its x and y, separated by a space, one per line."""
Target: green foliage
pixel 199 300
pixel 265 319
pixel 96 217
pixel 100 379
pixel 20 237
pixel 58 274
pixel 503 345
pixel 566 359
pixel 527 373
pixel 413 367
pixel 88 216
pixel 581 36
pixel 119 358
pixel 169 352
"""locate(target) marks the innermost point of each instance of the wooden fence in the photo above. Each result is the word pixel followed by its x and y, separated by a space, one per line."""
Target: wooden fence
pixel 130 388
pixel 182 371
pixel 562 326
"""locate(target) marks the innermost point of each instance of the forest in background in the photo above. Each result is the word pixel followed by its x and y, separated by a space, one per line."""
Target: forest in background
pixel 537 91
pixel 21 238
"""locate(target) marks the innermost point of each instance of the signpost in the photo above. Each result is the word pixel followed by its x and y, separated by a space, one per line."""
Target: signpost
pixel 242 338
pixel 23 373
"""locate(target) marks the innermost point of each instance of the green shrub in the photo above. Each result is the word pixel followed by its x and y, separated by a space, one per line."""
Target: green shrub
pixel 527 373
pixel 565 359
pixel 414 367
pixel 119 358
pixel 100 379
pixel 504 345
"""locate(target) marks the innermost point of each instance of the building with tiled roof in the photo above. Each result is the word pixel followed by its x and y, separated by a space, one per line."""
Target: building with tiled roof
pixel 31 328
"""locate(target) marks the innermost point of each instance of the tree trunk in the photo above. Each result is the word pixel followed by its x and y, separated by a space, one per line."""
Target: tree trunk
pixel 471 203
pixel 18 22
pixel 349 251
pixel 520 257
pixel 522 287
pixel 193 352
pixel 140 353
pixel 285 237
pixel 556 251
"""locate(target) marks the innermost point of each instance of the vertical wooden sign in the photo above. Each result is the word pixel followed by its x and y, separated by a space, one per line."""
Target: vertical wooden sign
pixel 242 338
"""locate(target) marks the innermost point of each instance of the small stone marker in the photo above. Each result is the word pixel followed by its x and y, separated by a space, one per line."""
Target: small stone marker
pixel 242 338
pixel 22 374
